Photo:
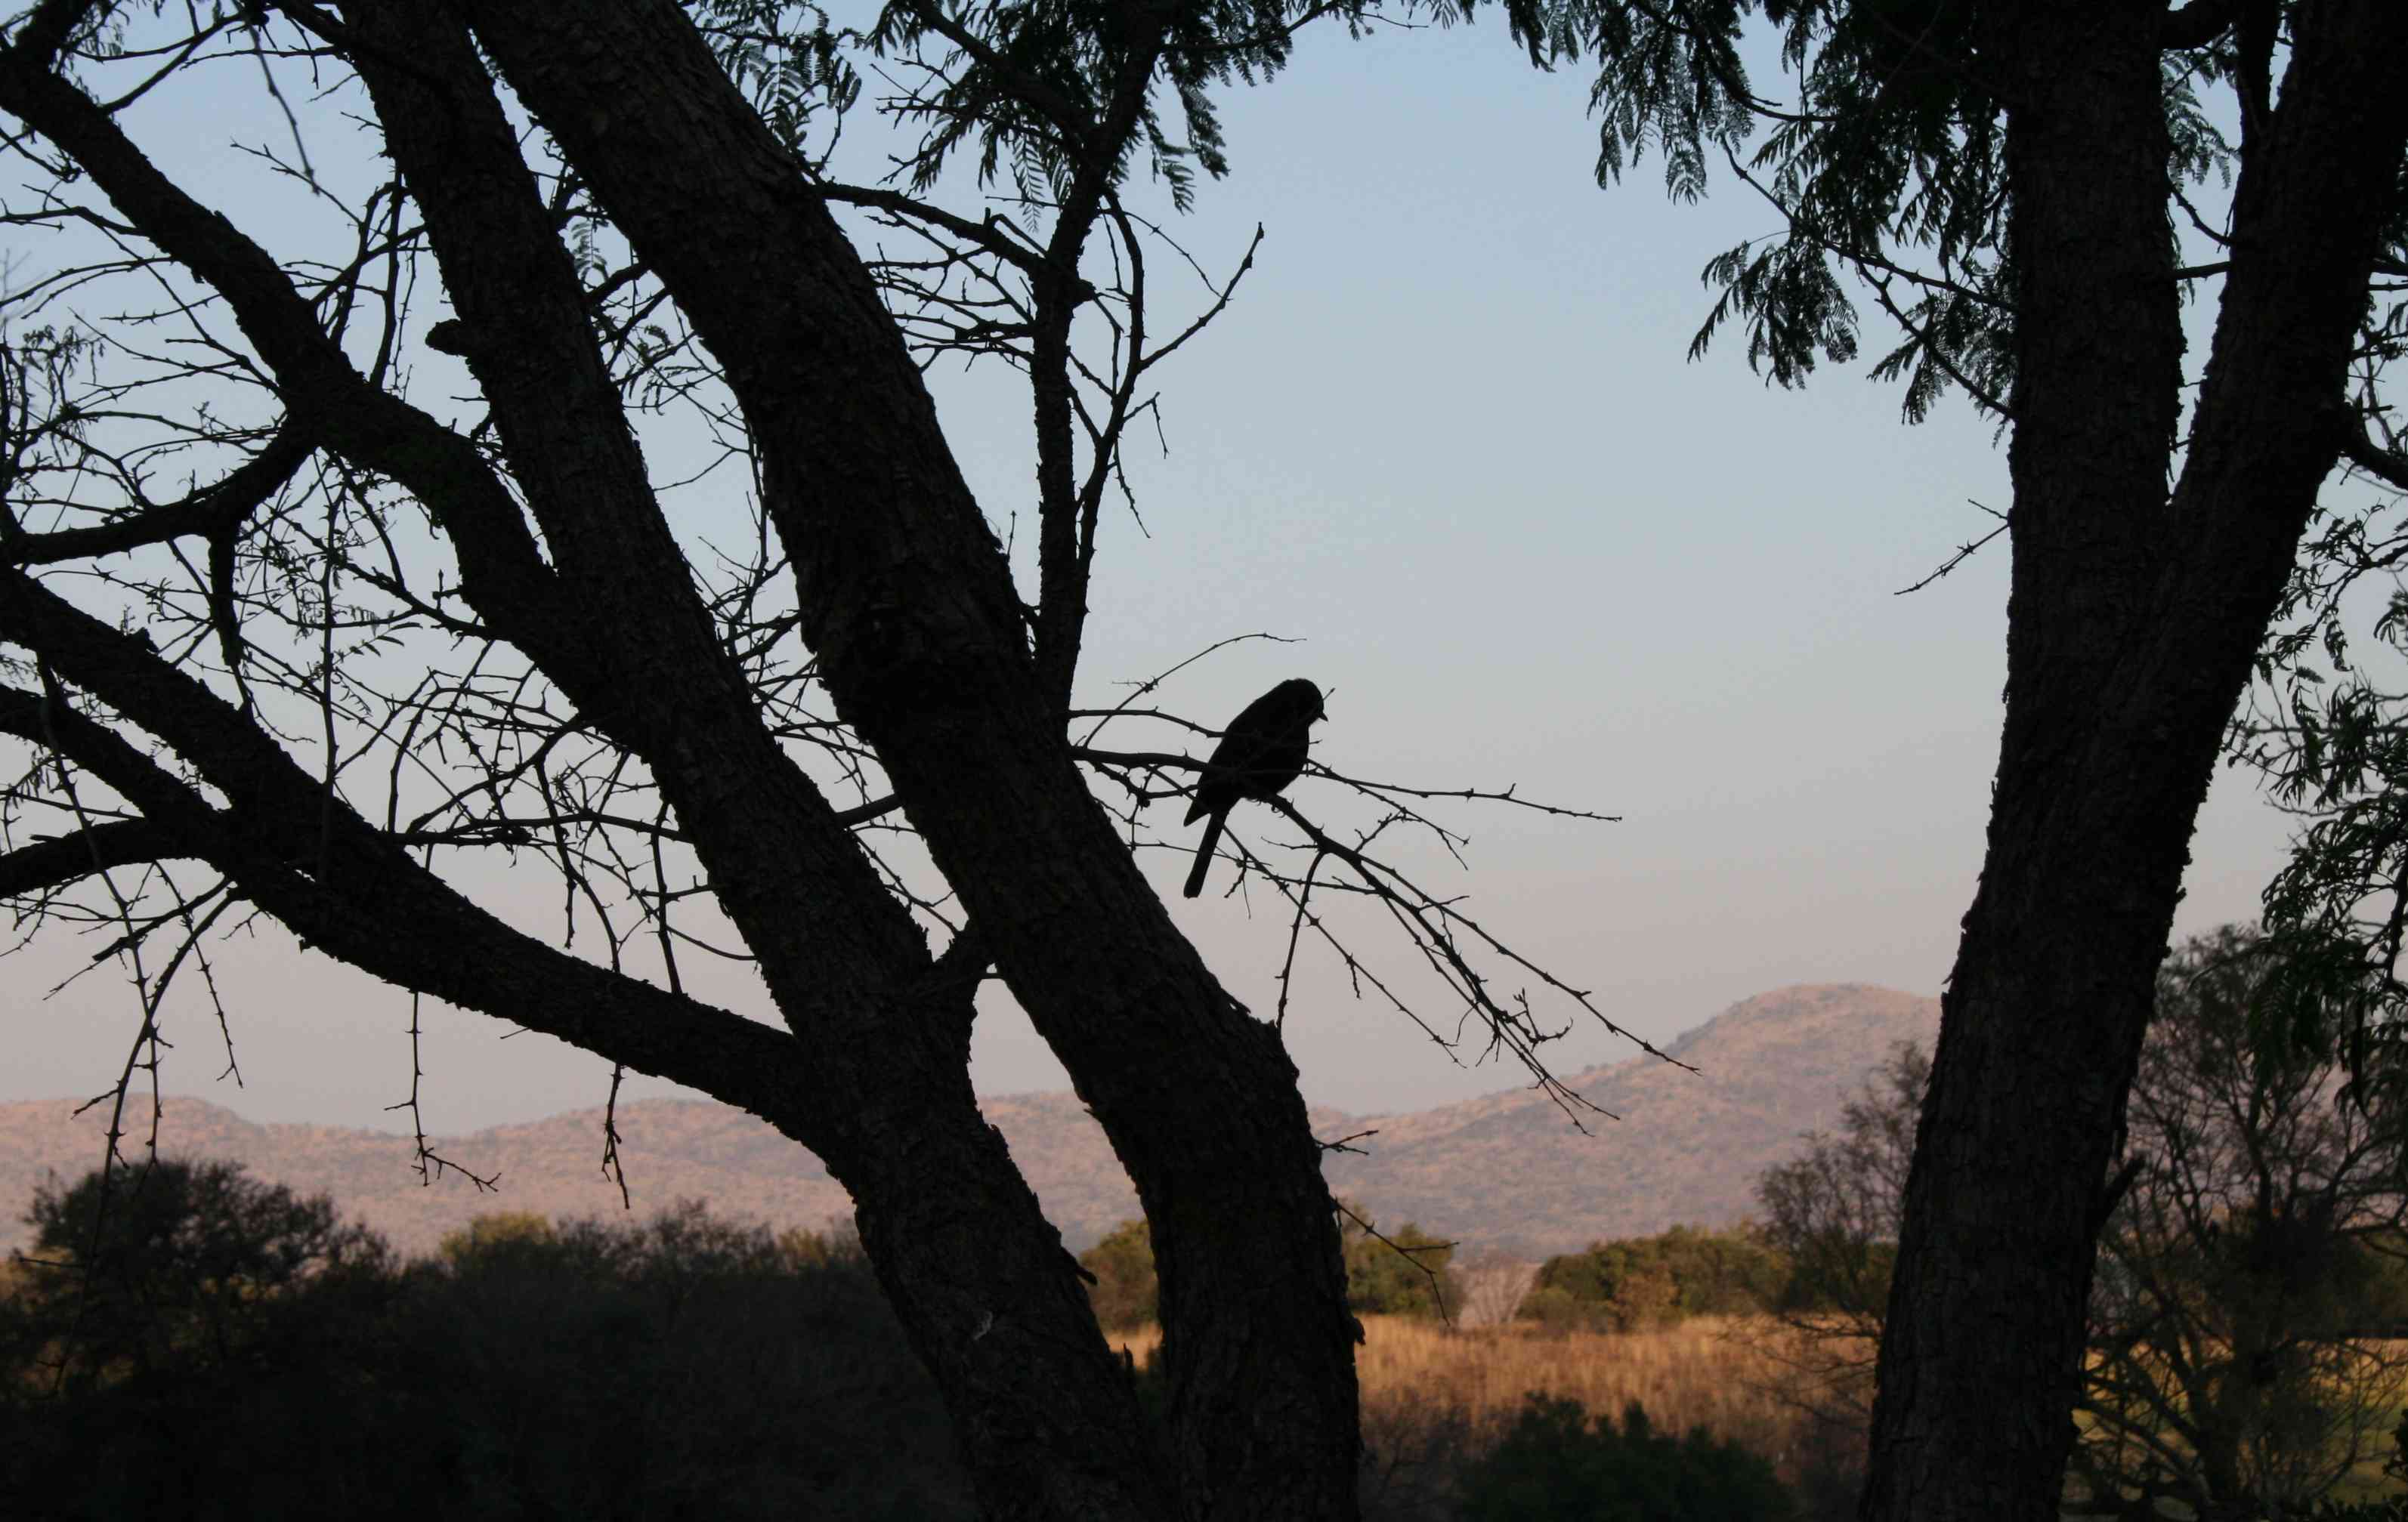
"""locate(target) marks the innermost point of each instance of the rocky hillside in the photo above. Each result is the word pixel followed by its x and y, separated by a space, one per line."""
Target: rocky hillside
pixel 1508 1171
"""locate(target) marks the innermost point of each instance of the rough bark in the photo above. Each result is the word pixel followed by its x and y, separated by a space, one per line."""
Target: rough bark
pixel 2133 616
pixel 907 600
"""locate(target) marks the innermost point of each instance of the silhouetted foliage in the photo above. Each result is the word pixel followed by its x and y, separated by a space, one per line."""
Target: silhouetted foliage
pixel 159 1271
pixel 2249 1277
pixel 2388 1508
pixel 1833 1210
pixel 2248 1280
pixel 1558 1465
pixel 686 1367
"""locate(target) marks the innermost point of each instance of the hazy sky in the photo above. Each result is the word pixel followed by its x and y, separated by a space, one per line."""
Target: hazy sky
pixel 1447 439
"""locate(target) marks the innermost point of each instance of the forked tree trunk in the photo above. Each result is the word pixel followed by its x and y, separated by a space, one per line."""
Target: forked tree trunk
pixel 2133 617
pixel 908 604
pixel 906 601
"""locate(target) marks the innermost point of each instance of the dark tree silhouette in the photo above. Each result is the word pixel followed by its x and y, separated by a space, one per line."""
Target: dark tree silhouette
pixel 313 609
pixel 170 1269
pixel 2014 182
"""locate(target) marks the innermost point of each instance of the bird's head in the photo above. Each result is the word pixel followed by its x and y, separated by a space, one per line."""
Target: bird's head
pixel 1300 696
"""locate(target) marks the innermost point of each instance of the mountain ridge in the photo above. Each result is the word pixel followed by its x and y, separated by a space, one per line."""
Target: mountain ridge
pixel 1507 1170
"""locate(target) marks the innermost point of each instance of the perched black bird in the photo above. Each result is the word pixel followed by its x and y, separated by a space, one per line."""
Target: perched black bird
pixel 1259 754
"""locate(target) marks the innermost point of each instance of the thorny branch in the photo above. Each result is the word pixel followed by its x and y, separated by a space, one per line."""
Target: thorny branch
pixel 150 462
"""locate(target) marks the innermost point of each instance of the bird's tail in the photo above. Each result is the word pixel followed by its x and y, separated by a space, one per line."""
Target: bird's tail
pixel 1204 852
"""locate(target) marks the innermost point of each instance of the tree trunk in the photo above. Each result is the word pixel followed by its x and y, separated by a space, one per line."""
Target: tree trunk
pixel 2133 617
pixel 908 607
pixel 907 603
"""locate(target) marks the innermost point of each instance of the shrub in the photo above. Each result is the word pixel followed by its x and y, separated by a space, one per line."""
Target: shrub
pixel 239 1356
pixel 1406 1274
pixel 1556 1465
pixel 1392 1278
pixel 163 1270
pixel 1640 1283
pixel 1559 1310
pixel 1125 1290
pixel 495 1234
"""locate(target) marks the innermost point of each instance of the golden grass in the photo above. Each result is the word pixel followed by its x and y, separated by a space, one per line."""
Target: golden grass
pixel 1711 1371
pixel 1719 1372
pixel 1435 1395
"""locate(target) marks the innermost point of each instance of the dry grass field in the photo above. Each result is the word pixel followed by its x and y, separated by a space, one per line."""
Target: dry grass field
pixel 1434 1396
pixel 1720 1373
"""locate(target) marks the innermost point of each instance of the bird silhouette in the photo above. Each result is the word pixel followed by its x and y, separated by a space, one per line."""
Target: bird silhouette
pixel 1260 753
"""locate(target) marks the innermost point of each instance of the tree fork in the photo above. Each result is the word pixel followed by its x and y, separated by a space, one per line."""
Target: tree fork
pixel 908 603
pixel 2132 620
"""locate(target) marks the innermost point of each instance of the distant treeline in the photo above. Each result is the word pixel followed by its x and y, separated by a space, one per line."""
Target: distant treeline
pixel 1638 1284
pixel 1641 1284
pixel 1406 1272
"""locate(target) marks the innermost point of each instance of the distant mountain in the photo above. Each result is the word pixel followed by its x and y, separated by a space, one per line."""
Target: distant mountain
pixel 1510 1170
pixel 1507 1171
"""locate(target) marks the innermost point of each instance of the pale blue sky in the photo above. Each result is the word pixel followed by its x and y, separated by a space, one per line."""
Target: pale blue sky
pixel 1446 436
